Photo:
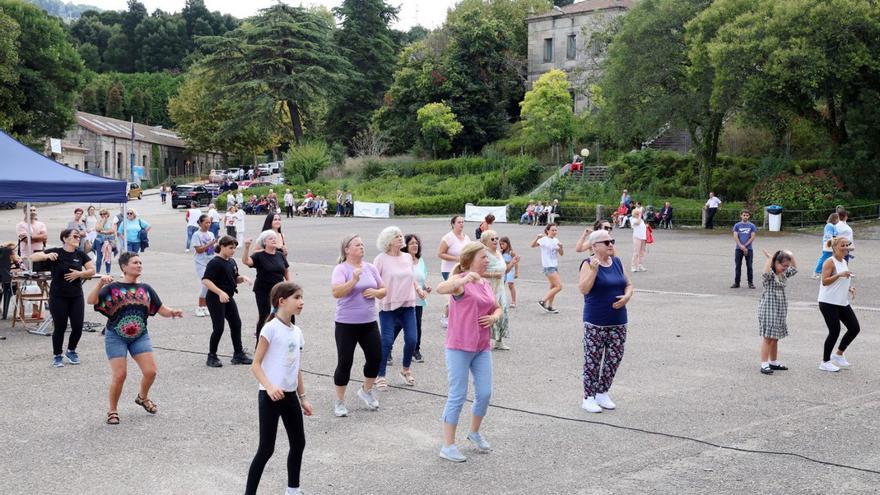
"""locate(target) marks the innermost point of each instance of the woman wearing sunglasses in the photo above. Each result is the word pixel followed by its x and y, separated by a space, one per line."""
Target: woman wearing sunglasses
pixel 606 288
pixel 69 266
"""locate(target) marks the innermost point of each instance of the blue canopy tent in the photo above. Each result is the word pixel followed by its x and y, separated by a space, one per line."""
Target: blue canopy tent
pixel 29 177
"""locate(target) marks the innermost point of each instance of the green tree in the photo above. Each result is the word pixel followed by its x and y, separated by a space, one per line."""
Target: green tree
pixel 548 110
pixel 47 78
pixel 438 127
pixel 371 49
pixel 9 33
pixel 282 61
pixel 90 55
pixel 115 106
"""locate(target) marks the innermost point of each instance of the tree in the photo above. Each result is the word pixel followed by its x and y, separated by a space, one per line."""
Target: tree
pixel 45 84
pixel 9 33
pixel 371 50
pixel 282 61
pixel 90 55
pixel 548 110
pixel 438 126
pixel 115 106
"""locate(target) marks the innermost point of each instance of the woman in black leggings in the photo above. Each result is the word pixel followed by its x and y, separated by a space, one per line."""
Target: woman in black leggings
pixel 221 279
pixel 835 294
pixel 272 268
pixel 69 266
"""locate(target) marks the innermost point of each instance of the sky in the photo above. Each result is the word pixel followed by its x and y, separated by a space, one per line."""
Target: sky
pixel 428 13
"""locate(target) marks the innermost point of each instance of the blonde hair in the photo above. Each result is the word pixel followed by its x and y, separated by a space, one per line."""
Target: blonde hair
pixel 487 235
pixel 838 240
pixel 346 241
pixel 466 257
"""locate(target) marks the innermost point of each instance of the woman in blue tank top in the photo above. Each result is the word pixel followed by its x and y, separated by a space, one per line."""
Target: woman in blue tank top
pixel 606 288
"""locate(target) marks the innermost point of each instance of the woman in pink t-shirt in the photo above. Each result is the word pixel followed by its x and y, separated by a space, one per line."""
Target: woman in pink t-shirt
pixel 398 307
pixel 450 247
pixel 472 311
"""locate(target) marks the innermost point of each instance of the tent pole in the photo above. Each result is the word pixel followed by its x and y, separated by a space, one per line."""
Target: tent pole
pixel 124 248
pixel 27 221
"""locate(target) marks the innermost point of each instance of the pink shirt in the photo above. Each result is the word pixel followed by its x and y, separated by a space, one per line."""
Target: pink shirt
pixel 453 245
pixel 37 228
pixel 397 275
pixel 464 332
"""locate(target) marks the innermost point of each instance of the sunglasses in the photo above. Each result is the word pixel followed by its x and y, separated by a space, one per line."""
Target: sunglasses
pixel 105 214
pixel 493 238
pixel 130 213
pixel 609 242
pixel 608 228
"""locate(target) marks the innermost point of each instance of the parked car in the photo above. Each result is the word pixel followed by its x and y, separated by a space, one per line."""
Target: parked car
pixel 263 169
pixel 214 189
pixel 275 167
pixel 135 191
pixel 235 173
pixel 8 205
pixel 187 193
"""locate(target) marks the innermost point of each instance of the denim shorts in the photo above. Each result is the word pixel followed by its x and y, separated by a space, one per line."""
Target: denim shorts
pixel 117 347
pixel 550 270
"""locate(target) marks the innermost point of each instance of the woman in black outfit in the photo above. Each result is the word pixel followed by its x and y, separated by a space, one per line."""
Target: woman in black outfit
pixel 69 266
pixel 221 278
pixel 272 267
pixel 8 261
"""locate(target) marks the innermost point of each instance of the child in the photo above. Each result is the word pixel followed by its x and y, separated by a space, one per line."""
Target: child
pixel 221 278
pixel 282 392
pixel 773 308
pixel 551 250
pixel 512 260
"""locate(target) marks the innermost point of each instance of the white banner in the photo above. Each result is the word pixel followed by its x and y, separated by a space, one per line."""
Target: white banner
pixel 372 210
pixel 55 145
pixel 478 213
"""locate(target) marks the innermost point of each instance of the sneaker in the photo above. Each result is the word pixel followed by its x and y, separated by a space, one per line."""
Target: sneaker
pixel 828 366
pixel 241 358
pixel 590 404
pixel 642 268
pixel 444 322
pixel 417 357
pixel 605 402
pixel 817 276
pixel 479 442
pixel 734 286
pixel 543 306
pixel 187 250
pixel 72 356
pixel 369 399
pixel 839 361
pixel 752 286
pixel 339 409
pixel 58 361
pixel 198 311
pixel 213 361
pixel 767 370
pixel 452 453
pixel 778 367
pixel 501 346
pixel 633 269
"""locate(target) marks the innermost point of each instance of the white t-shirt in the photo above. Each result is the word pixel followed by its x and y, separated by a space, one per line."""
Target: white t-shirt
pixel 194 214
pixel 282 359
pixel 640 229
pixel 200 239
pixel 844 230
pixel 215 217
pixel 549 251
pixel 239 222
pixel 713 202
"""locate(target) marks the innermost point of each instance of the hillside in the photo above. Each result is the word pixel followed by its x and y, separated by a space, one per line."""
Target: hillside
pixel 69 12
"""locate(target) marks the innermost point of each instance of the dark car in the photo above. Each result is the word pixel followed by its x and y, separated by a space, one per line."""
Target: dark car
pixel 214 189
pixel 186 194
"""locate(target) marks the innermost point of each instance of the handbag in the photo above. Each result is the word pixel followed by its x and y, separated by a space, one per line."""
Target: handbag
pixel 650 235
pixel 143 236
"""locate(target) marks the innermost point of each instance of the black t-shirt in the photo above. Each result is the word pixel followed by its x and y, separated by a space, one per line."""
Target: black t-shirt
pixel 66 261
pixel 270 269
pixel 224 274
pixel 5 265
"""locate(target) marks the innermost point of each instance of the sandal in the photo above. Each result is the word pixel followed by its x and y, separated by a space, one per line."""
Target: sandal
pixel 407 377
pixel 381 384
pixel 112 418
pixel 147 404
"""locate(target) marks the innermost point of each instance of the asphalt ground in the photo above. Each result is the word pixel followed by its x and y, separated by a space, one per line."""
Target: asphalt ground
pixel 694 414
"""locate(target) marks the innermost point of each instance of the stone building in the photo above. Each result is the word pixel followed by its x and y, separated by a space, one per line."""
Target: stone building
pixel 560 39
pixel 102 146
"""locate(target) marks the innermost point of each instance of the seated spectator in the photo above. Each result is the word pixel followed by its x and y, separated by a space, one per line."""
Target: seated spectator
pixel 322 208
pixel 554 213
pixel 651 217
pixel 528 214
pixel 541 213
pixel 621 216
pixel 666 216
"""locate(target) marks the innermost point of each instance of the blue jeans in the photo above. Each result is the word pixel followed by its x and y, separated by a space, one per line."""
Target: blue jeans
pixel 190 230
pixel 214 229
pixel 458 363
pixel 134 247
pixel 400 317
pixel 825 256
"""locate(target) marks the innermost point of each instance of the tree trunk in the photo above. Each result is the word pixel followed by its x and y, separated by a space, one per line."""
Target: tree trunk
pixel 295 121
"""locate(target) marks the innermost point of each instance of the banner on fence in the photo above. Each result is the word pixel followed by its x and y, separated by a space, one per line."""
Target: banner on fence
pixel 478 213
pixel 372 210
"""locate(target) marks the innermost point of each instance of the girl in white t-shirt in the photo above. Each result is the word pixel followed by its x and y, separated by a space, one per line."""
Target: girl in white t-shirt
pixel 282 392
pixel 551 250
pixel 640 241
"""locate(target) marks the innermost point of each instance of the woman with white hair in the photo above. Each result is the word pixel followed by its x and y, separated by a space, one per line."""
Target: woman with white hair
pixel 398 307
pixel 272 268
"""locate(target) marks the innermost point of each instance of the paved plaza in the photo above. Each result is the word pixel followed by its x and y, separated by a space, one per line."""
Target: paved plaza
pixel 689 383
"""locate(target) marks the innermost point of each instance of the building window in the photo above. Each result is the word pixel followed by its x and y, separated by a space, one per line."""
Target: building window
pixel 548 50
pixel 119 164
pixel 144 161
pixel 106 167
pixel 571 48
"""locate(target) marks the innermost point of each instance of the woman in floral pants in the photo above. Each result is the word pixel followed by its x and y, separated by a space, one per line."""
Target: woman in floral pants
pixel 606 289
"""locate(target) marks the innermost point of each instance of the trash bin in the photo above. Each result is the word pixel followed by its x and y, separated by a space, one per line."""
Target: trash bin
pixel 774 217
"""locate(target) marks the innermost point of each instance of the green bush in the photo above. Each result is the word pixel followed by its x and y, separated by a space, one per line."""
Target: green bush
pixel 304 162
pixel 810 191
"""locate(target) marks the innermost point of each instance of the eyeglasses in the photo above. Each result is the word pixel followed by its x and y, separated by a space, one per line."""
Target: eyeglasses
pixel 75 236
pixel 608 228
pixel 493 238
pixel 105 214
pixel 609 242
pixel 130 213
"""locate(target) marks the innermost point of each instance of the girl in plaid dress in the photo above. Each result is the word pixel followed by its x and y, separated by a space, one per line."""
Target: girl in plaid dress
pixel 773 308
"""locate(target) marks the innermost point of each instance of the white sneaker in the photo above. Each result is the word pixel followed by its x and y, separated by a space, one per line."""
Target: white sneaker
pixel 590 404
pixel 642 268
pixel 444 321
pixel 840 361
pixel 633 269
pixel 369 399
pixel 187 250
pixel 604 401
pixel 339 409
pixel 198 311
pixel 828 366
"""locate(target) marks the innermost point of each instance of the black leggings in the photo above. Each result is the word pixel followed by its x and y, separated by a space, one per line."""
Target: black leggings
pixel 63 308
pixel 834 315
pixel 8 292
pixel 219 312
pixel 288 209
pixel 288 409
pixel 349 336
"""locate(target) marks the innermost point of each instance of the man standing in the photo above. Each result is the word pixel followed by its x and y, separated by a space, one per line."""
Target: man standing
pixel 39 235
pixel 744 234
pixel 711 209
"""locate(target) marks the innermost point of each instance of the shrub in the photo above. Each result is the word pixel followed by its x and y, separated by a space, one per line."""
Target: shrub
pixel 810 191
pixel 303 163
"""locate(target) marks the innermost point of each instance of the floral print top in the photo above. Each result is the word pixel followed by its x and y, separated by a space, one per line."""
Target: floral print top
pixel 127 307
